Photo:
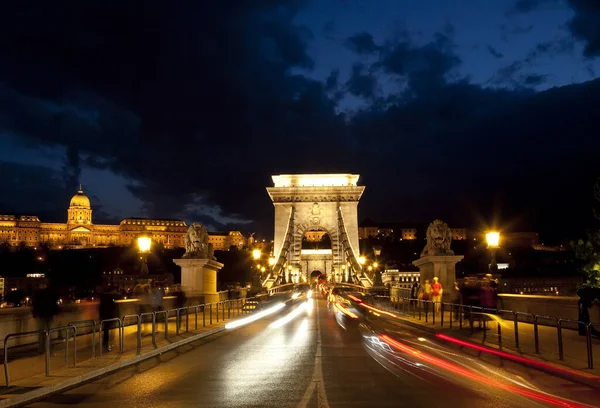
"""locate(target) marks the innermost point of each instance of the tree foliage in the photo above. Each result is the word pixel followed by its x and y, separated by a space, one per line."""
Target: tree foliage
pixel 587 251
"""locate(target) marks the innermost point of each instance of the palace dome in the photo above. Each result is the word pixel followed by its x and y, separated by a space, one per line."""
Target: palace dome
pixel 80 200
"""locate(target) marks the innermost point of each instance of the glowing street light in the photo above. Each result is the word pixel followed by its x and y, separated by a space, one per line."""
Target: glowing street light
pixel 271 261
pixel 362 260
pixel 256 253
pixel 144 244
pixel 493 241
pixel 375 264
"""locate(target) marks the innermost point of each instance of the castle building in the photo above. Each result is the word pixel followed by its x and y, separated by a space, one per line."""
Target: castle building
pixel 80 231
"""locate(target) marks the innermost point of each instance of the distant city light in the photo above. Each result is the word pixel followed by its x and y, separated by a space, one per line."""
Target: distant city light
pixel 256 253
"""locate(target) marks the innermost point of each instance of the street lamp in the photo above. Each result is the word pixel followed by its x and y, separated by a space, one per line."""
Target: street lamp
pixel 271 261
pixel 362 260
pixel 493 241
pixel 144 245
pixel 256 254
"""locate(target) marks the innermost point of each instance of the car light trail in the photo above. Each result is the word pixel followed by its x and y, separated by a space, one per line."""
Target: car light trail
pixel 346 311
pixel 456 369
pixel 378 310
pixel 513 357
pixel 255 317
pixel 290 316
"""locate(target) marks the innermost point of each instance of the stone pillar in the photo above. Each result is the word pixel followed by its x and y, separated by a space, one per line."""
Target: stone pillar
pixel 442 266
pixel 199 277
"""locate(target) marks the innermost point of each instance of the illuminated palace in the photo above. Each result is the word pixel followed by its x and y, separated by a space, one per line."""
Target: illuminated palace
pixel 80 231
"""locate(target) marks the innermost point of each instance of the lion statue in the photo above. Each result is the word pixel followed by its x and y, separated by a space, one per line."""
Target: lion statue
pixel 196 243
pixel 438 239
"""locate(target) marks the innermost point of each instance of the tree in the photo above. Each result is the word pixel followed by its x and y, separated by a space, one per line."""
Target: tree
pixel 587 251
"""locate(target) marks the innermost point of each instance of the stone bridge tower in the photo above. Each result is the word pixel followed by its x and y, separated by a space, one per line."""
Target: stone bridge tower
pixel 315 202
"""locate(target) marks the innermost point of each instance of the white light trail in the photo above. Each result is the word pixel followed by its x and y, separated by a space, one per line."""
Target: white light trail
pixel 255 317
pixel 290 316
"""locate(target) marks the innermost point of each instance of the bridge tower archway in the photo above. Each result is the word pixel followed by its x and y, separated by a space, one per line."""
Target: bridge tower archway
pixel 315 202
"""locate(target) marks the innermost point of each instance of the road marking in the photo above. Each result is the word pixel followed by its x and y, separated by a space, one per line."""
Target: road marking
pixel 316 382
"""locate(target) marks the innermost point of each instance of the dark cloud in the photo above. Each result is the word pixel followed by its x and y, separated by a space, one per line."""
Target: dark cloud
pixel 558 46
pixel 361 83
pixel 424 67
pixel 534 80
pixel 585 25
pixel 495 53
pixel 199 104
pixel 362 43
pixel 527 6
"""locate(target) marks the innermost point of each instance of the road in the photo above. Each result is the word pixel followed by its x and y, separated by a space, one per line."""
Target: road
pixel 321 358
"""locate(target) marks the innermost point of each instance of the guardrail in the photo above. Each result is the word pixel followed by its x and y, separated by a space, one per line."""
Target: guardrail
pixel 461 312
pixel 225 308
pixel 281 288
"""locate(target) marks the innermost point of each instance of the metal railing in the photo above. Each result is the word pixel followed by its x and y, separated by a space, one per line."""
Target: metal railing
pixel 430 310
pixel 66 329
pixel 11 335
pixel 224 310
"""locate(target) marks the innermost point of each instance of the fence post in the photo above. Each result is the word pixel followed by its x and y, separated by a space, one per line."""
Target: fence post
pixel 516 320
pixel 560 342
pixel 536 336
pixel 499 335
pixel 588 334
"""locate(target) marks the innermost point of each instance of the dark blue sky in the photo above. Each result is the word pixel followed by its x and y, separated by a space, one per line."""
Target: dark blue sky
pixel 464 109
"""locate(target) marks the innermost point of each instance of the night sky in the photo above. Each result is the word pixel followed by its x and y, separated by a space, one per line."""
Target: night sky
pixel 474 111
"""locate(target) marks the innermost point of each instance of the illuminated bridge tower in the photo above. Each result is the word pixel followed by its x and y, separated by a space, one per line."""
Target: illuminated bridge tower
pixel 326 203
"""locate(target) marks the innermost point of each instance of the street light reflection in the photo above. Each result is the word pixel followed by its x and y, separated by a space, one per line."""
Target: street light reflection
pixel 290 316
pixel 255 317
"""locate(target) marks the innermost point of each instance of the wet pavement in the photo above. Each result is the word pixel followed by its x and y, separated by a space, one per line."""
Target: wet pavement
pixel 320 358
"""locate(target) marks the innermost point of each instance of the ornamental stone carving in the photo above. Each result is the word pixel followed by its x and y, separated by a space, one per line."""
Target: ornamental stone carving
pixel 196 243
pixel 438 239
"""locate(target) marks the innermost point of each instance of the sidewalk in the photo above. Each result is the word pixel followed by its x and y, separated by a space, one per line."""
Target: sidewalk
pixel 500 334
pixel 27 375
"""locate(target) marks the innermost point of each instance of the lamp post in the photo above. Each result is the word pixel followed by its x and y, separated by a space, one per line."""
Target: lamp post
pixel 144 245
pixel 493 240
pixel 377 252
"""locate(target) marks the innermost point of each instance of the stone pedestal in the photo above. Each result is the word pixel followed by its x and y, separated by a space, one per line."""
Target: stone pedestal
pixel 199 277
pixel 442 266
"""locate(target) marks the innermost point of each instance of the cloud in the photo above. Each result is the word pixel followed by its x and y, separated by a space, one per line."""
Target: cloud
pixel 527 6
pixel 197 106
pixel 361 83
pixel 362 43
pixel 495 53
pixel 585 25
pixel 422 68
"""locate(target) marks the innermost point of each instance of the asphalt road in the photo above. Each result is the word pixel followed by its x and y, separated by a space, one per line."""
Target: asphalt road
pixel 321 358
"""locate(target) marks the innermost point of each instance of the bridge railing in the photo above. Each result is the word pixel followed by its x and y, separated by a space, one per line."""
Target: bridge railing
pixel 441 313
pixel 202 315
pixel 281 288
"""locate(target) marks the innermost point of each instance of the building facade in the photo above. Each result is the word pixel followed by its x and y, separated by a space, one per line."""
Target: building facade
pixel 80 230
pixel 222 241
